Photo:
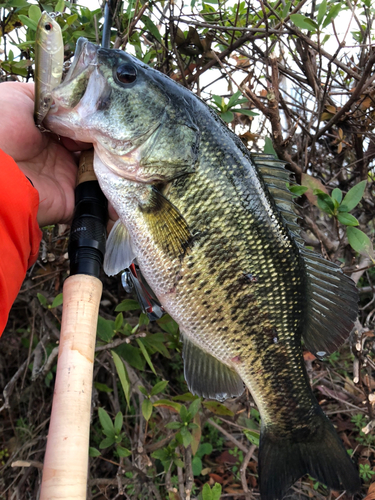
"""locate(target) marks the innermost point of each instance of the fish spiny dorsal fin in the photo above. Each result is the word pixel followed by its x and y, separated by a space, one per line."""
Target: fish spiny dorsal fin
pixel 275 176
pixel 332 304
pixel 208 377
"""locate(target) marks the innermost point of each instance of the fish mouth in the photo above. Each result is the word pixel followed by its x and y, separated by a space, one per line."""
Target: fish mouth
pixel 85 55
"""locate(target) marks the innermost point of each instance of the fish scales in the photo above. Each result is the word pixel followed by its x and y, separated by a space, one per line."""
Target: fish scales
pixel 214 234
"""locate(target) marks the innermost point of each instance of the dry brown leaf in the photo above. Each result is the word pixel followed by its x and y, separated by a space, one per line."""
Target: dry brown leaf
pixel 312 183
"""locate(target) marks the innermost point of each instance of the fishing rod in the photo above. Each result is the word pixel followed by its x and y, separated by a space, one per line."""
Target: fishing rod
pixel 66 460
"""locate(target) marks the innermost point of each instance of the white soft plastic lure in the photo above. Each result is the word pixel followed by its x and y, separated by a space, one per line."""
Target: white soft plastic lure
pixel 49 59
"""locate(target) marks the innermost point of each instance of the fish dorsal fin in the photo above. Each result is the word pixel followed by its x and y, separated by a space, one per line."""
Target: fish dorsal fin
pixel 331 295
pixel 119 252
pixel 275 176
pixel 168 227
pixel 208 377
pixel 332 305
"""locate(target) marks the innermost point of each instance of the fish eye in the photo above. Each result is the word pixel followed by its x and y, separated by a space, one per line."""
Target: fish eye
pixel 126 73
pixel 48 26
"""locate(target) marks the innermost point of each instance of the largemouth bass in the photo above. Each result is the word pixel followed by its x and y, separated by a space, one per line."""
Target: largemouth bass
pixel 49 59
pixel 214 233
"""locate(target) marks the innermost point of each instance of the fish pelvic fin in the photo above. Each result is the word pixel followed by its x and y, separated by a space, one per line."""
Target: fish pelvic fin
pixel 208 377
pixel 332 306
pixel 316 450
pixel 119 252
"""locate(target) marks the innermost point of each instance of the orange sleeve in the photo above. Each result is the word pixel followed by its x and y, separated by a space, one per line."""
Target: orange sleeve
pixel 19 232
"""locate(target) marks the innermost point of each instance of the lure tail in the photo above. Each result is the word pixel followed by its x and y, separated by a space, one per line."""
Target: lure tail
pixel 316 450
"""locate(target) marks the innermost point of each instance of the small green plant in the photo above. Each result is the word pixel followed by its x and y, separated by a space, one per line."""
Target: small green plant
pixel 147 404
pixel 112 431
pixel 238 454
pixel 57 301
pixel 186 425
pixel 4 455
pixel 211 494
pixel 366 472
pixel 227 110
pixel 339 208
pixel 360 422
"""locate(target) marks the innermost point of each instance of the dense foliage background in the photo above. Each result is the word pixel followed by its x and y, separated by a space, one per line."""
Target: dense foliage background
pixel 294 78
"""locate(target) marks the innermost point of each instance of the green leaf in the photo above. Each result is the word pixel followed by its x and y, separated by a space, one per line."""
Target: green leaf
pixel 325 202
pixel 286 9
pixel 217 100
pixel 206 492
pixel 204 449
pixel 60 6
pixel 246 112
pixel 71 19
pixel 151 27
pixel 197 465
pixel 57 301
pixel 105 421
pixel 119 419
pixel 354 195
pixel 194 407
pixel 297 190
pixel 303 22
pixel 187 438
pixel 360 242
pixel 143 390
pixel 123 375
pixel 234 98
pixel 147 408
pixel 105 329
pixel 337 195
pixel 143 319
pixel 171 405
pixel 322 11
pixel 108 441
pixel 34 13
pixel 93 452
pixel 131 355
pixel 118 321
pixel 333 11
pixel 216 491
pixel 184 414
pixel 146 355
pixel 28 22
pixel 347 219
pixel 217 408
pixel 123 452
pixel 268 147
pixel 102 387
pixel 128 305
pixel 42 299
pixel 159 387
pixel 252 436
pixel 173 425
pixel 227 116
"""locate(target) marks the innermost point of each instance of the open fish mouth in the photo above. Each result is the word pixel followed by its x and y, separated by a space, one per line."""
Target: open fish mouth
pixel 85 55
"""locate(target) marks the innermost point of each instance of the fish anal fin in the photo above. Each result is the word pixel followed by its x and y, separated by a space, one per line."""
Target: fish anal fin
pixel 119 252
pixel 168 227
pixel 332 305
pixel 208 377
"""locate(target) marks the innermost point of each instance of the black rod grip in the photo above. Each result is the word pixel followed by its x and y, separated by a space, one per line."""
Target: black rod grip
pixel 86 247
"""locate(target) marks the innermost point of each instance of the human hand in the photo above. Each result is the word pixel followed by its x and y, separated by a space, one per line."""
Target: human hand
pixel 46 161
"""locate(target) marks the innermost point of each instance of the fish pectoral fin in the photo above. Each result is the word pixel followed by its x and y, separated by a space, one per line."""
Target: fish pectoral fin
pixel 119 252
pixel 208 377
pixel 332 305
pixel 169 229
pixel 313 448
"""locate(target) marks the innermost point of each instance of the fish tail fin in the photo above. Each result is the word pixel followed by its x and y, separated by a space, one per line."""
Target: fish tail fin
pixel 316 450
